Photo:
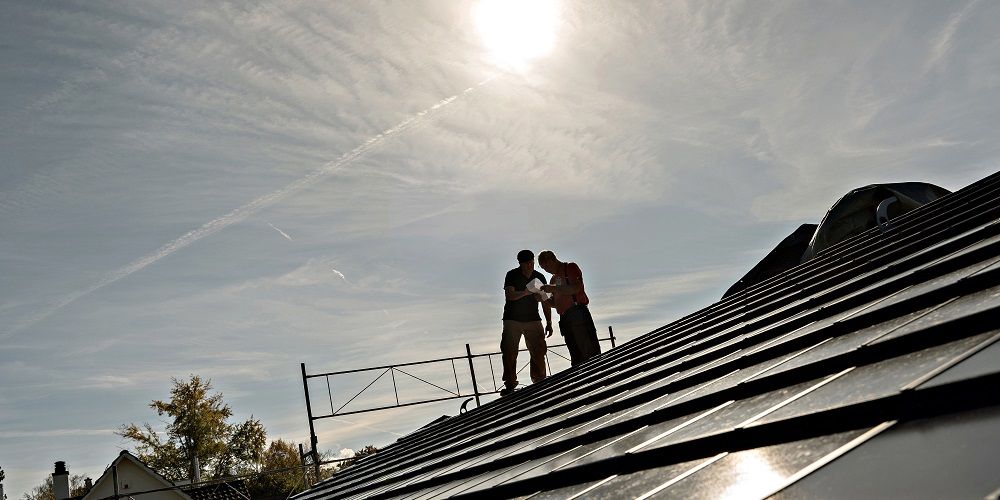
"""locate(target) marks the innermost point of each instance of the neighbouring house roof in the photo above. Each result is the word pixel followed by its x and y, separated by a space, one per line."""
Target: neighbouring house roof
pixel 852 214
pixel 104 486
pixel 783 257
pixel 868 371
pixel 232 490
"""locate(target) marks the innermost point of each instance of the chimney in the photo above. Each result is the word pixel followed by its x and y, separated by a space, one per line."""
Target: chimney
pixel 88 484
pixel 60 481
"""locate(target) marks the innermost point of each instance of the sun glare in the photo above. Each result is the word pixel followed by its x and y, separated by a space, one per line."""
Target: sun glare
pixel 517 31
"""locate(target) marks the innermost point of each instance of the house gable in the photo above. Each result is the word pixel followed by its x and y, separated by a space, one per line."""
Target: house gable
pixel 133 477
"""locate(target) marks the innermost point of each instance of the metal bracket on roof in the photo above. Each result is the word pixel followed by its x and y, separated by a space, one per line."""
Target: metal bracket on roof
pixel 882 212
pixel 463 409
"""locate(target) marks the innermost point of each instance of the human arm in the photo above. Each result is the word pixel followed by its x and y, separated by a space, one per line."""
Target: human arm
pixel 512 294
pixel 547 310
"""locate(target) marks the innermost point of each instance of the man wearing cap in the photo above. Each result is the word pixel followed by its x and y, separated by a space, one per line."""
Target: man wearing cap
pixel 520 318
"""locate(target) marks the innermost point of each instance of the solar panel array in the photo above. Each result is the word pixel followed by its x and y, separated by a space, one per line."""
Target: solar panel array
pixel 871 370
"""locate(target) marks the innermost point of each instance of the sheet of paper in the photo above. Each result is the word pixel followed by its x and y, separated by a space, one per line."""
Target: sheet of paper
pixel 535 286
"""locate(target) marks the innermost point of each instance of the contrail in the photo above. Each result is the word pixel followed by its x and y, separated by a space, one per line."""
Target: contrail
pixel 338 273
pixel 365 425
pixel 289 238
pixel 240 213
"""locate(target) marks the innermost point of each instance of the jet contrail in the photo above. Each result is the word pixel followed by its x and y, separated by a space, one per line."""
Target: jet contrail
pixel 365 425
pixel 238 214
pixel 289 238
pixel 338 273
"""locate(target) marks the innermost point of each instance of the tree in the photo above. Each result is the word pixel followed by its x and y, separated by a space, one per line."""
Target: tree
pixel 282 457
pixel 245 448
pixel 44 491
pixel 199 437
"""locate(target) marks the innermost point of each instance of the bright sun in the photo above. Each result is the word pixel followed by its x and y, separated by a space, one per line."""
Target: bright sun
pixel 517 31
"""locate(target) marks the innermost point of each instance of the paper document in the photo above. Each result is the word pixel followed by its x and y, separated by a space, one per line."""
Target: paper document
pixel 535 286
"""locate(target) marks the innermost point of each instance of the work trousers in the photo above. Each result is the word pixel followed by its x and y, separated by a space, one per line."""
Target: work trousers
pixel 510 342
pixel 577 326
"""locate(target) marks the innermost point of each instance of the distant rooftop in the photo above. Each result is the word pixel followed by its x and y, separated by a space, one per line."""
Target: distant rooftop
pixel 869 371
pixel 231 490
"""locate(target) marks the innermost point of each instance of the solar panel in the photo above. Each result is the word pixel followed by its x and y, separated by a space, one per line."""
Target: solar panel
pixel 876 380
pixel 745 474
pixel 982 360
pixel 846 343
pixel 727 418
pixel 947 457
pixel 976 303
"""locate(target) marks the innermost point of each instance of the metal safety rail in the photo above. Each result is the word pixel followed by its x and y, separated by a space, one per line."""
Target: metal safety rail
pixel 404 370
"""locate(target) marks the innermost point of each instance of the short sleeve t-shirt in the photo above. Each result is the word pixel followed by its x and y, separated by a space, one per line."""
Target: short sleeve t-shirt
pixel 570 275
pixel 525 308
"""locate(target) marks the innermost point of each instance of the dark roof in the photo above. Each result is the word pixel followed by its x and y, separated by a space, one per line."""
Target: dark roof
pixel 871 370
pixel 231 490
pixel 854 213
pixel 785 256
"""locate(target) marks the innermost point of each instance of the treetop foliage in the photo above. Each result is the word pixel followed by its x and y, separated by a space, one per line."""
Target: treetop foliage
pixel 44 491
pixel 198 428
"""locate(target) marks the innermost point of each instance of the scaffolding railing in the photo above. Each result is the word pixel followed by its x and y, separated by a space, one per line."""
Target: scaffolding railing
pixel 405 370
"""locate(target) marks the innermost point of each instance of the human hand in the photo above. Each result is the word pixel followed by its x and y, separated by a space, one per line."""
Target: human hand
pixel 548 330
pixel 549 288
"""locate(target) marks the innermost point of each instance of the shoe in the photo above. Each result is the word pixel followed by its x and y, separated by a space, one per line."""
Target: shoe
pixel 506 391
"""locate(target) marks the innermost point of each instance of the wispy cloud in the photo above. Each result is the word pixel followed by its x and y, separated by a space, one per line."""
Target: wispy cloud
pixel 942 43
pixel 282 233
pixel 366 426
pixel 622 301
pixel 379 428
pixel 105 382
pixel 236 215
pixel 53 433
pixel 338 273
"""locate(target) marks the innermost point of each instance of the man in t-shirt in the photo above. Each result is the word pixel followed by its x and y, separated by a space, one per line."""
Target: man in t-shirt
pixel 570 300
pixel 520 317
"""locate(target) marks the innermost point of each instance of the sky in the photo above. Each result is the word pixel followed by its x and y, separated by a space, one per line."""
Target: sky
pixel 231 189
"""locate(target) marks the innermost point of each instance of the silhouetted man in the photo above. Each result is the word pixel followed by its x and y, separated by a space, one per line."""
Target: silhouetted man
pixel 520 318
pixel 570 300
